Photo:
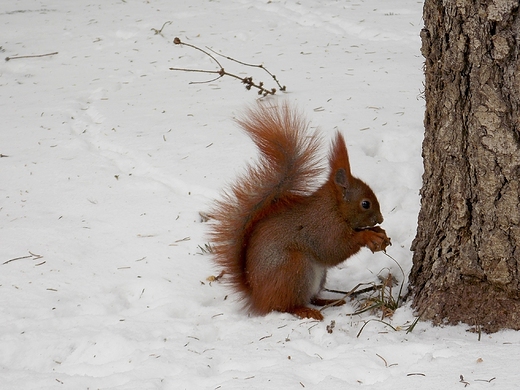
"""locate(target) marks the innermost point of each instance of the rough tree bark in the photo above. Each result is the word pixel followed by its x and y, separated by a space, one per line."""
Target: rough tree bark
pixel 466 261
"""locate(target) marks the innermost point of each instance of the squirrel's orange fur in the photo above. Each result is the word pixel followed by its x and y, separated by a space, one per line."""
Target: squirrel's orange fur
pixel 277 232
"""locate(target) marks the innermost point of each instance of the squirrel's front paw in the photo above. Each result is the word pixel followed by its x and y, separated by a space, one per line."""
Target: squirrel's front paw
pixel 377 240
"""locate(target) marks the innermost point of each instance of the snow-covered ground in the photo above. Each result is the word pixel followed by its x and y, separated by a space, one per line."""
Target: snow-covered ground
pixel 107 158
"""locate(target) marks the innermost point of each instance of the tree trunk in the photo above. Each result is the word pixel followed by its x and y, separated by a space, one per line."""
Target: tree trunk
pixel 466 261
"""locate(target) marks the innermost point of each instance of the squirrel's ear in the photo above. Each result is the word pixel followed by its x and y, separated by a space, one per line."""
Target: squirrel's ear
pixel 340 178
pixel 344 184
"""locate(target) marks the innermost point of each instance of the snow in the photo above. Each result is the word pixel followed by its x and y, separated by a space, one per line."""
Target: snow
pixel 108 157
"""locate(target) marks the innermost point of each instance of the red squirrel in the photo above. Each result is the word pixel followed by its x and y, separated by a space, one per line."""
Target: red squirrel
pixel 276 232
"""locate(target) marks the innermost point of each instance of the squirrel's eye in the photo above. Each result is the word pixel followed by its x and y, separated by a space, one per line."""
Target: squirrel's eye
pixel 365 204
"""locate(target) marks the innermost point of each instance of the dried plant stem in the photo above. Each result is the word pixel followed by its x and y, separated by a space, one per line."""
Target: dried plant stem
pixel 355 292
pixel 248 81
pixel 30 256
pixel 30 56
pixel 350 293
pixel 159 32
pixel 261 66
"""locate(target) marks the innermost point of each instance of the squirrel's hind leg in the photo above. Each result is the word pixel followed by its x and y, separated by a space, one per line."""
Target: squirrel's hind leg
pixel 306 312
pixel 287 287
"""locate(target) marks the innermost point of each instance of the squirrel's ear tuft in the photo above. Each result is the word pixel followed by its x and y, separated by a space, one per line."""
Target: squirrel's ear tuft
pixel 339 158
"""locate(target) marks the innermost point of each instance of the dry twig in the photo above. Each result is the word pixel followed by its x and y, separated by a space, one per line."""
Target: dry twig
pixel 248 81
pixel 159 32
pixel 463 381
pixel 30 56
pixel 31 255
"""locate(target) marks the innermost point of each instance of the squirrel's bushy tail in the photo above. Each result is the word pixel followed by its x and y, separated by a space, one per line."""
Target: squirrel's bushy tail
pixel 287 170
